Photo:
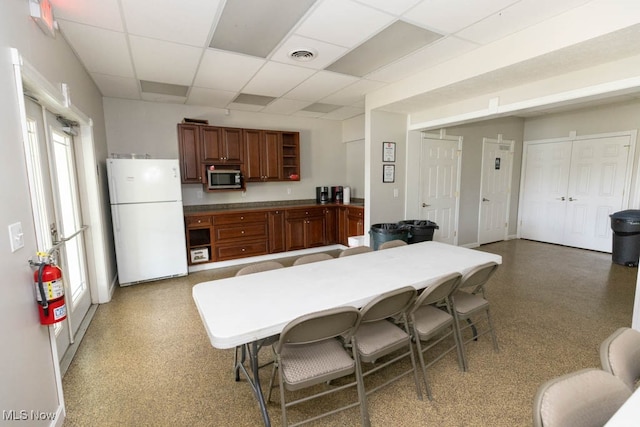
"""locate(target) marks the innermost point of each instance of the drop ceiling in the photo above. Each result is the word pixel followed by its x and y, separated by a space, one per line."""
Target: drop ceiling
pixel 236 54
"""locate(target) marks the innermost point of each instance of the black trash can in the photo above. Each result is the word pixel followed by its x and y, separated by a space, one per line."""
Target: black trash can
pixel 419 230
pixel 626 237
pixel 385 232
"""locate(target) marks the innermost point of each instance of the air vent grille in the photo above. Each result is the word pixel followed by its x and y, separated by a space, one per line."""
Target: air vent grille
pixel 303 55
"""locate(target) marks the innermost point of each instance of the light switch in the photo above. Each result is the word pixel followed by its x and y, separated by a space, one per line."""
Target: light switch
pixel 395 192
pixel 16 236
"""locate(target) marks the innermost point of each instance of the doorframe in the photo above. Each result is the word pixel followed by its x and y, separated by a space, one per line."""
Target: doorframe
pixel 512 145
pixel 632 181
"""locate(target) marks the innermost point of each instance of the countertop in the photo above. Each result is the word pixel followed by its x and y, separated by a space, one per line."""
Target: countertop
pixel 200 209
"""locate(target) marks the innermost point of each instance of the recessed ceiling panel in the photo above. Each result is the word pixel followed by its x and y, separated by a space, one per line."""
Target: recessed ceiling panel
pixel 161 61
pixel 247 98
pixel 184 21
pixel 163 88
pixel 321 108
pixel 226 71
pixel 255 27
pixel 84 39
pixel 397 40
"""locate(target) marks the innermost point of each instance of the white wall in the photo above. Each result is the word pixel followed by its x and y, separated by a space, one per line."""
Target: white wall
pixel 151 128
pixel 26 363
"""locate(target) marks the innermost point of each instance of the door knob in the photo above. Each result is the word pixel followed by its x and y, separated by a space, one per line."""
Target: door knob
pixel 424 205
pixel 571 199
pixel 561 198
pixel 485 199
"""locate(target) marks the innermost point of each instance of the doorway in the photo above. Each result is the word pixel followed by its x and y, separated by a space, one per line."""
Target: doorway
pixel 440 184
pixel 495 189
pixel 58 221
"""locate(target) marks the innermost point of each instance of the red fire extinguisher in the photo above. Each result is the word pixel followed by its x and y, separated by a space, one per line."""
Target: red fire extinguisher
pixel 50 293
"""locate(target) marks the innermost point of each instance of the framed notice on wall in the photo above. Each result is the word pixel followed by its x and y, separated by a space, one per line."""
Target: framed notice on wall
pixel 388 173
pixel 388 151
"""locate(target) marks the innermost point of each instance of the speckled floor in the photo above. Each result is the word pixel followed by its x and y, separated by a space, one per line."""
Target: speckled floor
pixel 146 359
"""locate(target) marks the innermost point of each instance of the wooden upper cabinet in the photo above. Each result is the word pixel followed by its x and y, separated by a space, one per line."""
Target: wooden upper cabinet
pixel 189 145
pixel 222 145
pixel 263 155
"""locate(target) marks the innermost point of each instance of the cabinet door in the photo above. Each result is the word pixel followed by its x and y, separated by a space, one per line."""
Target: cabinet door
pixel 212 145
pixel 295 233
pixel 191 169
pixel 271 155
pixel 233 147
pixel 331 224
pixel 252 166
pixel 277 232
pixel 315 231
pixel 355 222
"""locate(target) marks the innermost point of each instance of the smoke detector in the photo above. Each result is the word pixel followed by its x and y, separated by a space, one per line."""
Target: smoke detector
pixel 303 55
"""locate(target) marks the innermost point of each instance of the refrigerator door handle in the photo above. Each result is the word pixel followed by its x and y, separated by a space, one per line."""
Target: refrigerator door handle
pixel 116 219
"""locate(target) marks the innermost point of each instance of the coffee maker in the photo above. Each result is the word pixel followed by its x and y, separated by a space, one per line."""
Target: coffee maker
pixel 323 195
pixel 338 194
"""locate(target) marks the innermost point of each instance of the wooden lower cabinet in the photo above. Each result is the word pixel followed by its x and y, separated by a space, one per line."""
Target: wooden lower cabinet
pixel 240 234
pixel 305 228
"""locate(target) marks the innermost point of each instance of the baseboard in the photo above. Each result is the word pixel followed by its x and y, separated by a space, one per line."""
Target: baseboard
pixel 260 258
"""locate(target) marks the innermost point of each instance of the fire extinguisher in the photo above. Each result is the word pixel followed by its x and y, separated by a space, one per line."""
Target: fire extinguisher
pixel 49 292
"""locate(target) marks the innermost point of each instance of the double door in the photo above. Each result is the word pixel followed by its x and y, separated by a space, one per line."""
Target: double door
pixel 570 187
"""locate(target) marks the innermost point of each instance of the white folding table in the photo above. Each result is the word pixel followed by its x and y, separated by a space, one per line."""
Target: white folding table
pixel 244 310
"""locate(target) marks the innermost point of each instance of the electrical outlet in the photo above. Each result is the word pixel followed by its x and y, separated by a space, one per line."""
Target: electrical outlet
pixel 16 236
pixel 288 190
pixel 395 192
pixel 199 194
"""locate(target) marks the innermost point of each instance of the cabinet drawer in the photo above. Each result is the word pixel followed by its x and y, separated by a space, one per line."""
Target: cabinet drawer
pixel 304 213
pixel 355 212
pixel 251 230
pixel 200 220
pixel 239 218
pixel 232 251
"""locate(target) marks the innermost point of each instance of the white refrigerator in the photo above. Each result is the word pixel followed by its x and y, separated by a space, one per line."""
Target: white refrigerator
pixel 148 222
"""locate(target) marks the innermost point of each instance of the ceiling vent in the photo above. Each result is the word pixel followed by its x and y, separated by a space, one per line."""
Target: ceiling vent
pixel 302 55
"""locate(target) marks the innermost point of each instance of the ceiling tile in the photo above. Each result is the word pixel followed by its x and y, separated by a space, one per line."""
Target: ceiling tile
pixel 343 22
pixel 245 107
pixel 285 106
pixel 395 7
pixel 319 85
pixel 84 40
pixel 436 53
pixel 165 62
pixel 210 97
pixel 102 14
pixel 117 87
pixel 276 79
pixel 226 71
pixel 256 27
pixel 344 113
pixel 353 93
pixel 186 21
pixel 515 18
pixel 449 16
pixel 326 53
pixel 159 97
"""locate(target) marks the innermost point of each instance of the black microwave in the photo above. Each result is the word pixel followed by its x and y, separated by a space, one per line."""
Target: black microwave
pixel 223 179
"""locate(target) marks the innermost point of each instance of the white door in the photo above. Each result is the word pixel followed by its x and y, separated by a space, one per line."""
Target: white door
pixel 440 186
pixel 495 190
pixel 545 182
pixel 58 219
pixel 571 187
pixel 596 190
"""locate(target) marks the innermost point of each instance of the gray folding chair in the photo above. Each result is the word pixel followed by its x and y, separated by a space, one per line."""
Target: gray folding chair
pixel 585 398
pixel 431 325
pixel 620 355
pixel 392 244
pixel 306 259
pixel 250 269
pixel 470 301
pixel 308 354
pixel 355 250
pixel 377 336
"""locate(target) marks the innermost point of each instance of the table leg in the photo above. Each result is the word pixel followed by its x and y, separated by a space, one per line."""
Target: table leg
pixel 254 377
